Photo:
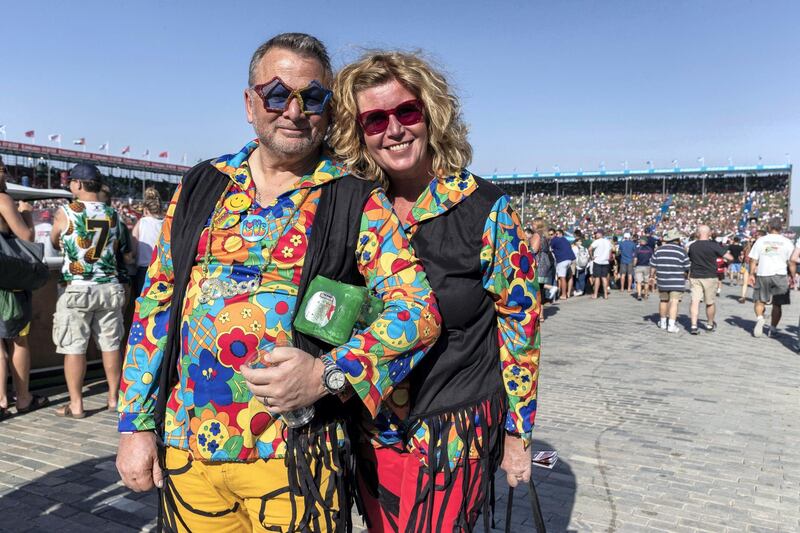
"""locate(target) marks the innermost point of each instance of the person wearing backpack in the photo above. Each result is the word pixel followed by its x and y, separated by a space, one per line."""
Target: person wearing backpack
pixel 582 260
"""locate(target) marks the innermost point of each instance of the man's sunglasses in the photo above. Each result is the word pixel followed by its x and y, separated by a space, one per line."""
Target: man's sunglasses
pixel 376 121
pixel 276 96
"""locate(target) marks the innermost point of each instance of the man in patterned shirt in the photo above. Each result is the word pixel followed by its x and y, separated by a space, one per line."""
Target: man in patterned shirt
pixel 243 236
pixel 91 299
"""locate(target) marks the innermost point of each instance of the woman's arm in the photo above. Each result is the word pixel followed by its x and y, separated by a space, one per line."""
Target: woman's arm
pixel 20 221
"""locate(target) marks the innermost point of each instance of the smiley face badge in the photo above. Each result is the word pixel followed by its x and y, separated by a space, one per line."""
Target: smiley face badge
pixel 237 203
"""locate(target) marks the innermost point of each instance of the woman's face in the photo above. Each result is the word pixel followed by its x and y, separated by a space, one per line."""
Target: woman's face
pixel 401 151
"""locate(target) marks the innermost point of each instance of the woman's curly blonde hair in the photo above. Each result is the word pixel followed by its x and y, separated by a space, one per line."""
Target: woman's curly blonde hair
pixel 447 133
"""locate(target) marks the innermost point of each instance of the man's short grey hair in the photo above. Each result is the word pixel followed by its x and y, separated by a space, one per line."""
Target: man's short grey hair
pixel 300 43
pixel 775 224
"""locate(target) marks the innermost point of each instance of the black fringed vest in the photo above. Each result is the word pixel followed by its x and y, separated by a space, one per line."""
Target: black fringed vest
pixel 462 368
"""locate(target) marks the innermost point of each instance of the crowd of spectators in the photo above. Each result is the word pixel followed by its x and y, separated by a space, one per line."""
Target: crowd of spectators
pixel 129 210
pixel 681 206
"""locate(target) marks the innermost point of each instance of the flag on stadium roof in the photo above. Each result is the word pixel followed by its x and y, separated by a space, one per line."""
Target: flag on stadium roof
pixel 163 154
pixel 103 146
pixel 126 150
pixel 79 142
pixel 55 137
pixel 3 130
pixel 30 133
pixel 146 153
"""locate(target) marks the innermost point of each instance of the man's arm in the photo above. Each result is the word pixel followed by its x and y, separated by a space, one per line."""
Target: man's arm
pixel 795 256
pixel 18 220
pixel 59 225
pixel 137 456
pixel 145 351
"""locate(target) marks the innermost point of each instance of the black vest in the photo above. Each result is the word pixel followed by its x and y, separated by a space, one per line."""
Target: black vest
pixel 331 252
pixel 462 368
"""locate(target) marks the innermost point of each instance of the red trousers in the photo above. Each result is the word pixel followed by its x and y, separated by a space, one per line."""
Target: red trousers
pixel 405 500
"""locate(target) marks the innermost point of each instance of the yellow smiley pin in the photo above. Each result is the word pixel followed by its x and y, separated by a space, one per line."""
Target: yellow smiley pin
pixel 237 203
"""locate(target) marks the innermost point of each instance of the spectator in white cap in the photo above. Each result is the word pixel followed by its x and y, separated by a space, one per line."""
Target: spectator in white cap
pixel 627 248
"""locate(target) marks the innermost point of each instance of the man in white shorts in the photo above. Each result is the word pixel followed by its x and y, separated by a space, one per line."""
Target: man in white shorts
pixel 91 298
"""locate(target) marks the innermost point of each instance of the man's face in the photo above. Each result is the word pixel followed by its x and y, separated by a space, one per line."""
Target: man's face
pixel 291 132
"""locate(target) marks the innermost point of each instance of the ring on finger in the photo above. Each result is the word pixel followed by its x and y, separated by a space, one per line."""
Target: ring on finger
pixel 265 400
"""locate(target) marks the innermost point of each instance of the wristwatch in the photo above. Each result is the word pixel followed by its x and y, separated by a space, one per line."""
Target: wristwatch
pixel 333 378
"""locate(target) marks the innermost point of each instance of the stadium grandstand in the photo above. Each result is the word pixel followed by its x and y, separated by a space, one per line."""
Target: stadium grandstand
pixel 732 199
pixel 46 167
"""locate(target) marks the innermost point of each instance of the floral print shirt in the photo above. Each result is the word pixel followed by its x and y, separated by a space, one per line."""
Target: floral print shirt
pixel 210 411
pixel 509 276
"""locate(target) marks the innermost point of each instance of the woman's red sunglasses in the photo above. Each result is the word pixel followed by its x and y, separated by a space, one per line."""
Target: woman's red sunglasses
pixel 376 121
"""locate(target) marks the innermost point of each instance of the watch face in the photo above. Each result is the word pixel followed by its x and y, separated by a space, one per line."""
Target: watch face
pixel 336 380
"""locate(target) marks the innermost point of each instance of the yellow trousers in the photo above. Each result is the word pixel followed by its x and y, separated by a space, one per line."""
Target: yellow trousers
pixel 234 497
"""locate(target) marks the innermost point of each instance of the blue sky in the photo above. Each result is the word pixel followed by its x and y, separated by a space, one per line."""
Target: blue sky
pixel 542 83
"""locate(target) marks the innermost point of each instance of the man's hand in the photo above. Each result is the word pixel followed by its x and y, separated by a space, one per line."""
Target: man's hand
pixel 516 461
pixel 137 461
pixel 24 207
pixel 293 382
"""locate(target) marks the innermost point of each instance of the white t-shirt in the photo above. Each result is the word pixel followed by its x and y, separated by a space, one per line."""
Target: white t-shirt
pixel 42 230
pixel 772 253
pixel 602 250
pixel 149 231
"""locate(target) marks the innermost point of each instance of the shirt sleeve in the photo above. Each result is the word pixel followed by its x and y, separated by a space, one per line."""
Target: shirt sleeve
pixel 381 356
pixel 754 251
pixel 509 275
pixel 148 335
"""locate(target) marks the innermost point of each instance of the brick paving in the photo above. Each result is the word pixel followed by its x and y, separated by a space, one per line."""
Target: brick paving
pixel 655 431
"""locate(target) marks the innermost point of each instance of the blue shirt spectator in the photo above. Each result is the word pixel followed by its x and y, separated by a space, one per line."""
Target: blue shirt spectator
pixel 626 250
pixel 643 255
pixel 562 249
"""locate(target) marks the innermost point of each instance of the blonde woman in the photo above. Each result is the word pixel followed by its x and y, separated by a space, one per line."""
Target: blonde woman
pixel 470 405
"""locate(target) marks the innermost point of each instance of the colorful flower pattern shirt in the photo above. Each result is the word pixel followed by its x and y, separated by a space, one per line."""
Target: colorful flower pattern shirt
pixel 211 411
pixel 509 275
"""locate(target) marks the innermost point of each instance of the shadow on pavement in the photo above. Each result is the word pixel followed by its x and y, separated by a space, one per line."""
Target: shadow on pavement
pixel 82 497
pixel 549 310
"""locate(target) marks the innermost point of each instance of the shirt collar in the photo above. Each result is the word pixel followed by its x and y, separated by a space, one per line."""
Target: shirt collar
pixel 441 195
pixel 235 166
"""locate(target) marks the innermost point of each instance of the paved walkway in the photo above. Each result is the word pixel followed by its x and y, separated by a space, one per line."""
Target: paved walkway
pixel 656 432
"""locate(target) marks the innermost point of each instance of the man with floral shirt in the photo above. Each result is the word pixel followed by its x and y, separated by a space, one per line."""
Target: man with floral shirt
pixel 243 236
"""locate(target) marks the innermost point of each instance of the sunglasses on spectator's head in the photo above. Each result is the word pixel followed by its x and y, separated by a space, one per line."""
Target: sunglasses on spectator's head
pixel 276 96
pixel 376 121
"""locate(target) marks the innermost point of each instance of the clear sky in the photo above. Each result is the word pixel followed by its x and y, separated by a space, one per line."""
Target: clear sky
pixel 568 82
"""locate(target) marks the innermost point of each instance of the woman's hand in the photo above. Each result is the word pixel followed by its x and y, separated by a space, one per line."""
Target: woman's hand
pixel 516 461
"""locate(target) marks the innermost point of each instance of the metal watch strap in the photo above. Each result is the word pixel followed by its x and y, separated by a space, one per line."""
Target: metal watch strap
pixel 330 366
